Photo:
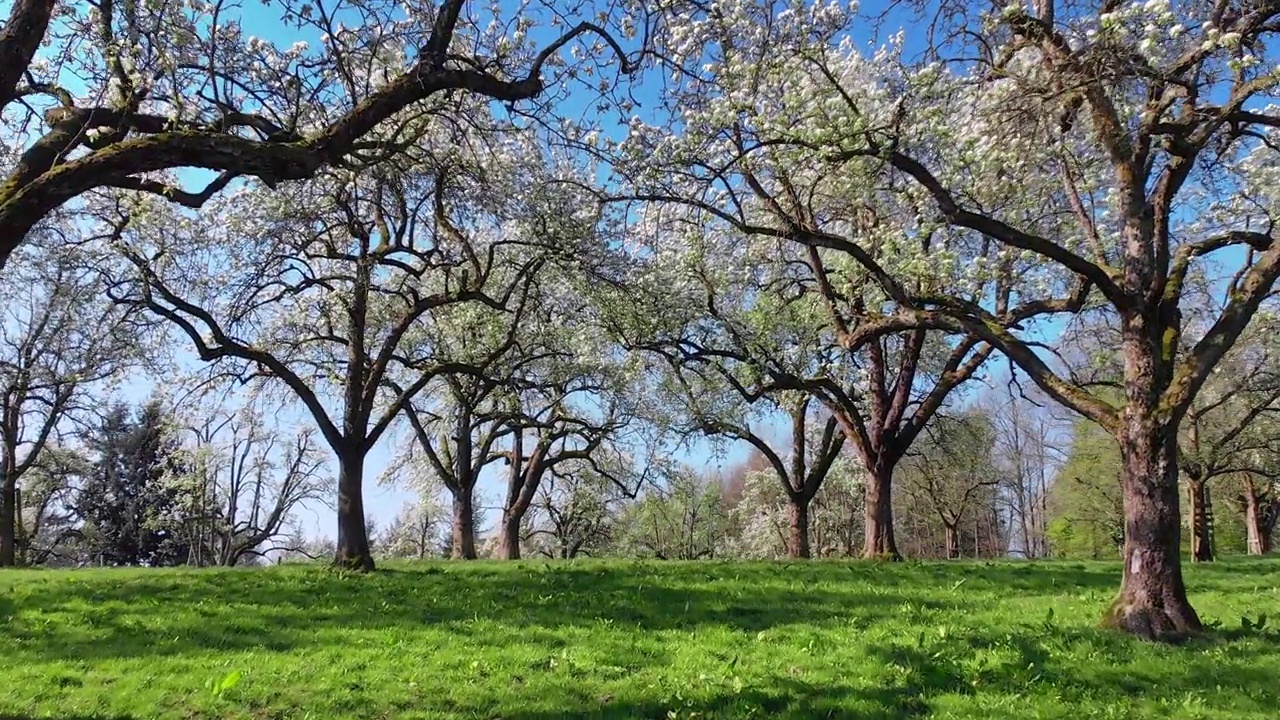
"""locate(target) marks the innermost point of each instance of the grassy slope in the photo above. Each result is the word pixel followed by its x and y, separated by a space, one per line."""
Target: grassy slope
pixel 621 640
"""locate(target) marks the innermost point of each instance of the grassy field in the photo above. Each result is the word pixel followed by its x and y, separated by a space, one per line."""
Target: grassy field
pixel 537 641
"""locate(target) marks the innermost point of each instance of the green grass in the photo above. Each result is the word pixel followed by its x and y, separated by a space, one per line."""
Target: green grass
pixel 538 641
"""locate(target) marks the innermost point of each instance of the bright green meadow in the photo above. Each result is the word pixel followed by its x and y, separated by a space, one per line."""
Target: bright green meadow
pixel 537 641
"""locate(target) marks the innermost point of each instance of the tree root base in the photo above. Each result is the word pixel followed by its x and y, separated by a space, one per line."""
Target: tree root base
pixel 1148 622
pixel 356 564
pixel 883 556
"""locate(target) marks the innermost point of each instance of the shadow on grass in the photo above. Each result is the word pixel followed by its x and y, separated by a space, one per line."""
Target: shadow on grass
pixel 10 716
pixel 786 700
pixel 136 613
pixel 144 614
pixel 929 672
pixel 167 613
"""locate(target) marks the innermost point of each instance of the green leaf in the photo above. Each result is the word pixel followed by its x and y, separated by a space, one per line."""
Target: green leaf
pixel 228 681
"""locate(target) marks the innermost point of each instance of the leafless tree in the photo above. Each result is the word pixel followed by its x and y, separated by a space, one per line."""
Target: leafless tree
pixel 246 481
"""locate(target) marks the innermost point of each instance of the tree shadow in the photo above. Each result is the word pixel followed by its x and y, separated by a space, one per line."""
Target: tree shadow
pixel 158 614
pixel 786 700
pixel 130 613
pixel 7 716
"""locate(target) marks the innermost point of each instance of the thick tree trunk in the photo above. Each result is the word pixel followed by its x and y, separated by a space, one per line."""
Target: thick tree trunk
pixel 353 537
pixel 509 540
pixel 798 542
pixel 1201 520
pixel 880 542
pixel 953 540
pixel 464 526
pixel 8 521
pixel 1259 532
pixel 1153 600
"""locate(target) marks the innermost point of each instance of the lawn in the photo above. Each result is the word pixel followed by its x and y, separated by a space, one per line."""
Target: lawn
pixel 536 641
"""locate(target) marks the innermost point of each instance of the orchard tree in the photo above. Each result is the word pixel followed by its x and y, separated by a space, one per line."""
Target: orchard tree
pixel 414 533
pixel 1260 496
pixel 1230 425
pixel 1106 151
pixel 322 289
pixel 575 512
pixel 557 427
pixel 951 471
pixel 734 188
pixel 786 318
pixel 245 480
pixel 538 383
pixel 61 341
pixel 115 95
pixel 48 530
pixel 459 423
pixel 452 445
pixel 739 348
pixel 575 397
pixel 800 469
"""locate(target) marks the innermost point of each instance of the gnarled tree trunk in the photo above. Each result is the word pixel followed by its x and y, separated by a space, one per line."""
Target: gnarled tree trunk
pixel 1259 521
pixel 880 542
pixel 509 538
pixel 1153 599
pixel 1201 513
pixel 9 493
pixel 798 542
pixel 353 537
pixel 464 526
pixel 953 540
pixel 8 521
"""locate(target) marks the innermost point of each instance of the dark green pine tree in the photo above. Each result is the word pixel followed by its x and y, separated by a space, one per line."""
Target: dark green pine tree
pixel 130 515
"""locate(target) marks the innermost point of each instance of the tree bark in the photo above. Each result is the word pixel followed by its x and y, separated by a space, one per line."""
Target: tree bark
pixel 880 542
pixel 798 542
pixel 8 521
pixel 1256 525
pixel 1153 599
pixel 509 540
pixel 464 526
pixel 953 540
pixel 353 537
pixel 1201 520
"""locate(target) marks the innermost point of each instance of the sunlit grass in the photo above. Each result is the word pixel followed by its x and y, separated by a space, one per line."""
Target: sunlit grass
pixel 621 640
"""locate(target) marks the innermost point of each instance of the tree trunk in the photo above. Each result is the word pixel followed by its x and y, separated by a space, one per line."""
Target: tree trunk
pixel 1201 520
pixel 1255 524
pixel 1153 599
pixel 953 540
pixel 8 521
pixel 464 526
pixel 798 542
pixel 880 542
pixel 353 537
pixel 509 540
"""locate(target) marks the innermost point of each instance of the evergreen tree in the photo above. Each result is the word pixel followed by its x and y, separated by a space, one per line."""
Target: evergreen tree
pixel 131 512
